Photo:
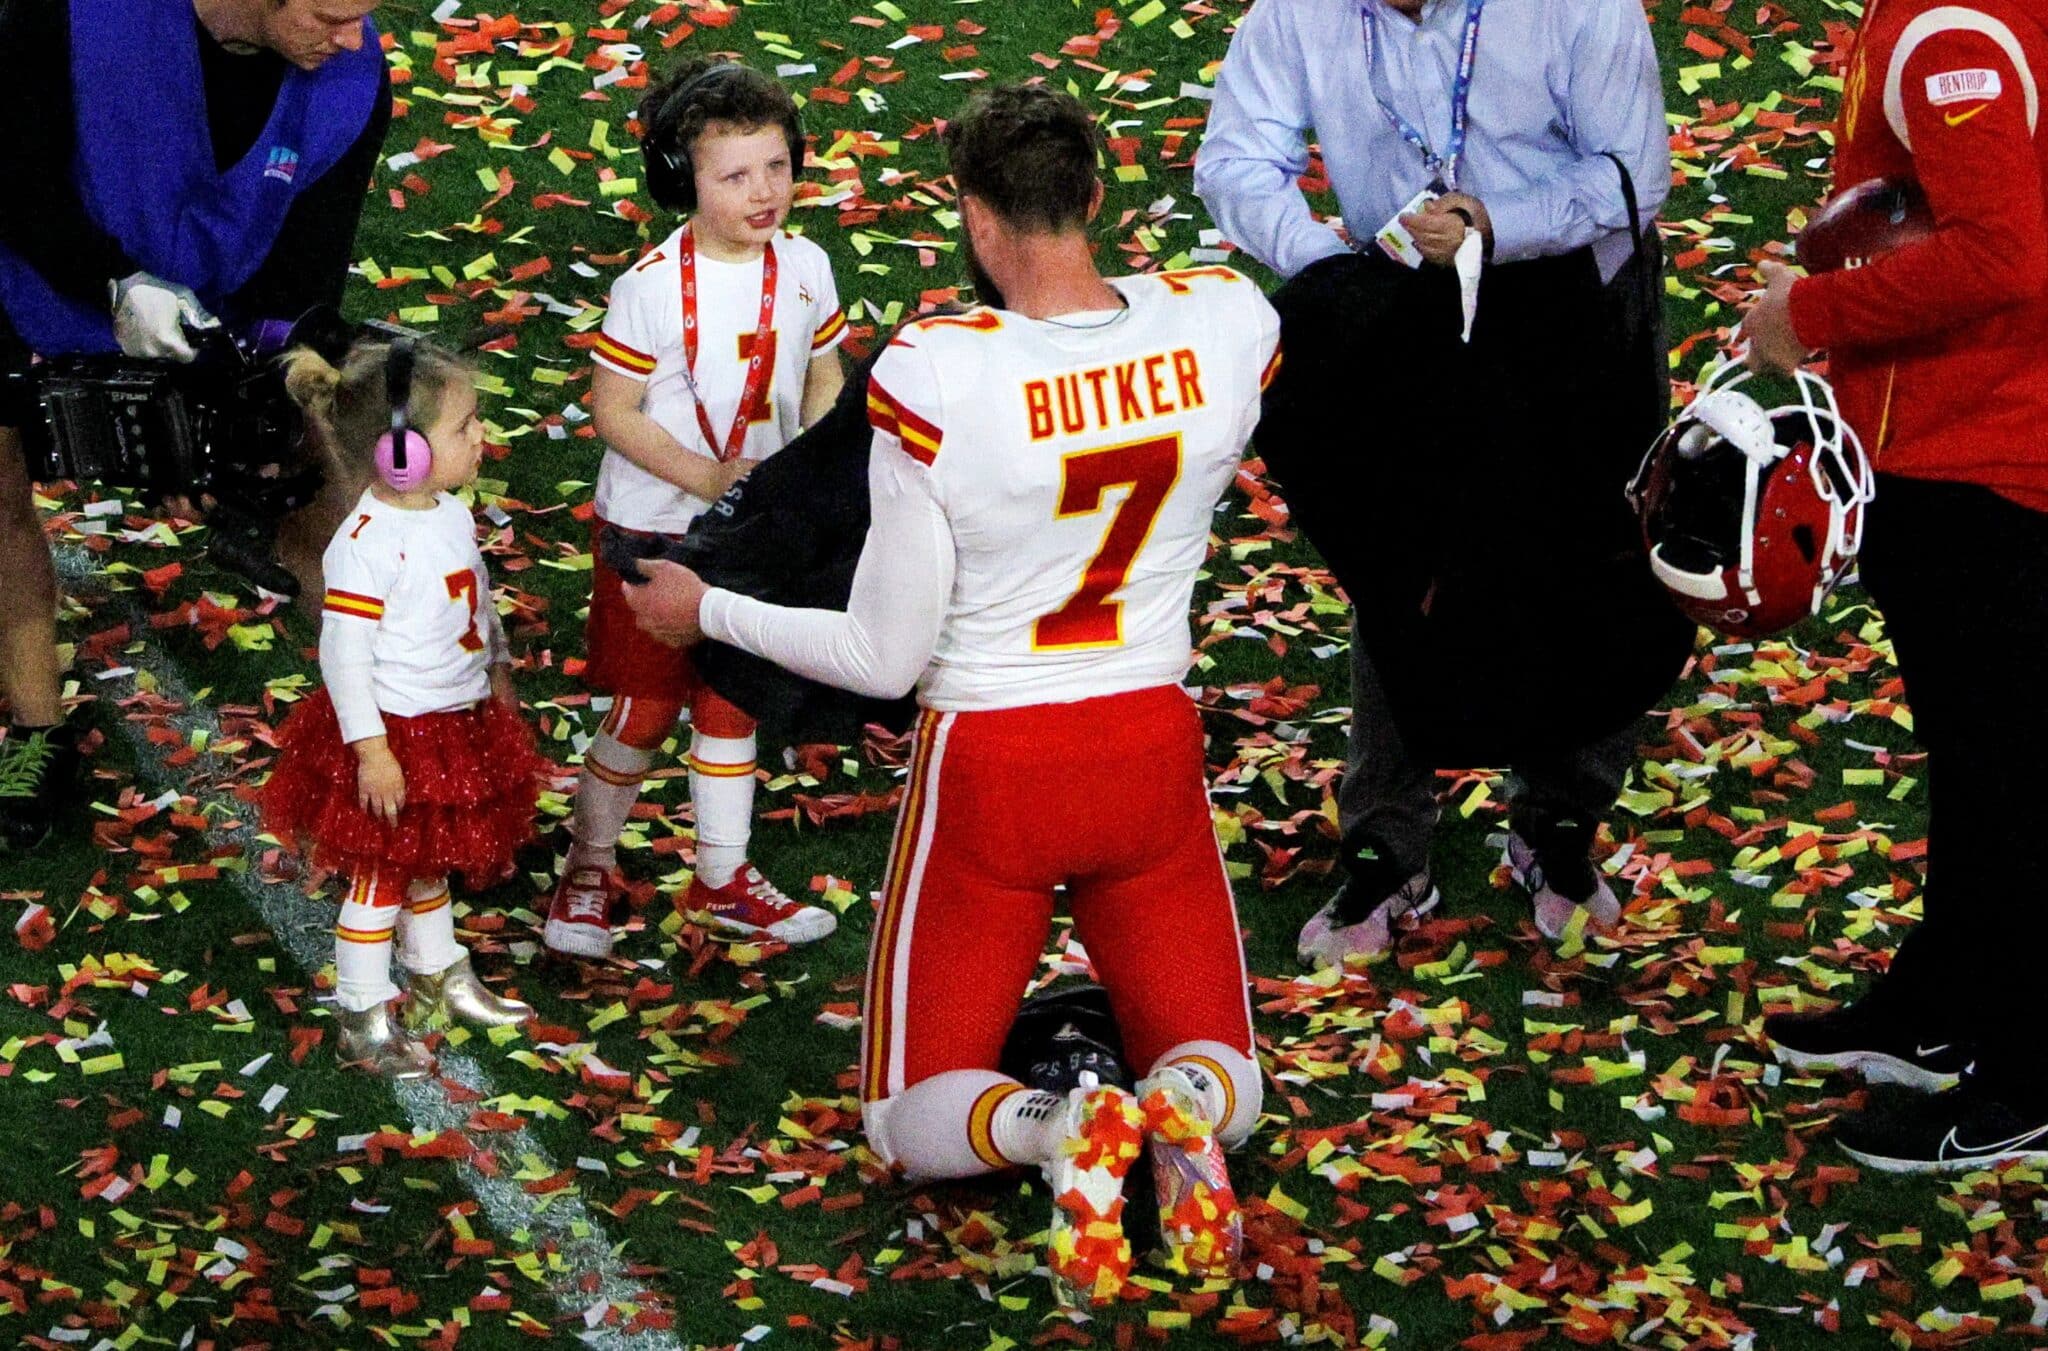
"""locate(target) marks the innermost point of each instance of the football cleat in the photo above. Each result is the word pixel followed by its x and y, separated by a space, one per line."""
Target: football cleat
pixel 1086 1248
pixel 1200 1224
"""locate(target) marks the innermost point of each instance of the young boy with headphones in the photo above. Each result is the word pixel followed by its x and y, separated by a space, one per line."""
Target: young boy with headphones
pixel 719 344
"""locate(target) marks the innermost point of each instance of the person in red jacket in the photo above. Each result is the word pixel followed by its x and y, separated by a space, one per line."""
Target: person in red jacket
pixel 1938 348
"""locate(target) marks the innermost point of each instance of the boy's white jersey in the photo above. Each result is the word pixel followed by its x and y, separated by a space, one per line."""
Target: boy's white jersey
pixel 409 590
pixel 642 339
pixel 1078 462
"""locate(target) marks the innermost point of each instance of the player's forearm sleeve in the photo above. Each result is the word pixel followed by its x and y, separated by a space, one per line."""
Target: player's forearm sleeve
pixel 345 665
pixel 883 641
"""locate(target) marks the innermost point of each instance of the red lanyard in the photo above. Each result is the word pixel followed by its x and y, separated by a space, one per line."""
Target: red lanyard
pixel 758 369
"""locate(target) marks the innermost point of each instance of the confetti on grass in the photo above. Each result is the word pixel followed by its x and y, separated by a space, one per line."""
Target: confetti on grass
pixel 1476 1142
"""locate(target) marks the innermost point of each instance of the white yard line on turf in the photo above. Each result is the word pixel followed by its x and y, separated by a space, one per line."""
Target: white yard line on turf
pixel 306 927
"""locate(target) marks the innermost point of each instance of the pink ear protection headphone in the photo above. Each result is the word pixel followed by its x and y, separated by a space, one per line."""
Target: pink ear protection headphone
pixel 404 459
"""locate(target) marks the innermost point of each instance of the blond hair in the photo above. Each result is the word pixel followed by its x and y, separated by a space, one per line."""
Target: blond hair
pixel 346 408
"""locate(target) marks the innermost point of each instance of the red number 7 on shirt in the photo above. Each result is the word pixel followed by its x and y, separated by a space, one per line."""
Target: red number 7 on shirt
pixel 1150 468
pixel 462 585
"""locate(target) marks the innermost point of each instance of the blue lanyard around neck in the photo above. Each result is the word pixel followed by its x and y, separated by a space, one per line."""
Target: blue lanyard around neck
pixel 1444 167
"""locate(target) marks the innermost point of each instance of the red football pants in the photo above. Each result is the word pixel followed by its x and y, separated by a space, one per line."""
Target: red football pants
pixel 1106 797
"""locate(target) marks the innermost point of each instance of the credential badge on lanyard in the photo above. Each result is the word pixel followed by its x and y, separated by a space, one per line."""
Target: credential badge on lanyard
pixel 1443 168
pixel 758 371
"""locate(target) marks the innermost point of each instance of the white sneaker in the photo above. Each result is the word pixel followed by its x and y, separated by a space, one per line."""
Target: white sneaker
pixel 1554 910
pixel 579 916
pixel 1325 941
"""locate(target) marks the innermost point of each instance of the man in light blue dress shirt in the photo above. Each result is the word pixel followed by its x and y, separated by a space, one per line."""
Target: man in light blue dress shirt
pixel 1556 85
pixel 1520 116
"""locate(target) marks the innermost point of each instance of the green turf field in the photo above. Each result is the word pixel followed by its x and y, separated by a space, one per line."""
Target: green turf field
pixel 1600 1151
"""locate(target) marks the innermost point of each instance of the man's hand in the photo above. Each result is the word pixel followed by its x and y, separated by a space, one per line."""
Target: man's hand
pixel 1438 228
pixel 151 315
pixel 501 686
pixel 380 783
pixel 1773 345
pixel 668 605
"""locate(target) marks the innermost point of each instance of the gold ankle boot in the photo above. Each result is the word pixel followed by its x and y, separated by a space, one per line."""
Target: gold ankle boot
pixel 456 993
pixel 372 1039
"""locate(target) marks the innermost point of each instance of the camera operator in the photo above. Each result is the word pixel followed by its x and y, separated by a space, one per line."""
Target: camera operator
pixel 169 165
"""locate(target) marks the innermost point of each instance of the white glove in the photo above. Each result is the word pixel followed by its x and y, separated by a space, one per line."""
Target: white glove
pixel 150 315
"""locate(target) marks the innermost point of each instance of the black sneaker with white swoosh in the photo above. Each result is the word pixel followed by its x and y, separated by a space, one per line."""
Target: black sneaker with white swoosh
pixel 1969 1126
pixel 1864 1038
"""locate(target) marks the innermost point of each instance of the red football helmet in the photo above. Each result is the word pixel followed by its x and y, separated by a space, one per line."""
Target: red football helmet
pixel 1751 516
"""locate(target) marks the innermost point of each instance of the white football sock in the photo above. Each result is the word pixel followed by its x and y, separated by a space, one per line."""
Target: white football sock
pixel 1029 1127
pixel 605 794
pixel 1226 1081
pixel 963 1123
pixel 362 949
pixel 722 792
pixel 426 931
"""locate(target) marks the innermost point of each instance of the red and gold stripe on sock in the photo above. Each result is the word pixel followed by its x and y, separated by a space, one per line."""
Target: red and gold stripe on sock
pixel 617 778
pixel 427 905
pixel 711 770
pixel 344 934
pixel 981 1119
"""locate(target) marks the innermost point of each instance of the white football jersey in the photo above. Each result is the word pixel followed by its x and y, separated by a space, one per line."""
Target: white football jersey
pixel 1079 462
pixel 411 585
pixel 642 339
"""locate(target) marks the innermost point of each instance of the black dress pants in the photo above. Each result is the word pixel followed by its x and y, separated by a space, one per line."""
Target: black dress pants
pixel 1961 577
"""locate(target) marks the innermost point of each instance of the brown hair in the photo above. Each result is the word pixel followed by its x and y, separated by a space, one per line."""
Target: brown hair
pixel 744 97
pixel 1028 152
pixel 346 408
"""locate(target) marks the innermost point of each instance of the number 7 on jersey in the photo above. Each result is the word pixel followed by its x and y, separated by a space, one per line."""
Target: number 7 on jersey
pixel 1093 616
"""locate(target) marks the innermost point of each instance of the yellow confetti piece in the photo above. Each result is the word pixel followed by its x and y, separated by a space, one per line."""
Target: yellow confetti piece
pixel 1286 1204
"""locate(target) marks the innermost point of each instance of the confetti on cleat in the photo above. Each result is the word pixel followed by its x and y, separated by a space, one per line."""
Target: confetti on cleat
pixel 1199 1218
pixel 1087 1250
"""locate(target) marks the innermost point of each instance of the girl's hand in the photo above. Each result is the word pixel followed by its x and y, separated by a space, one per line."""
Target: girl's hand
pixel 501 686
pixel 380 783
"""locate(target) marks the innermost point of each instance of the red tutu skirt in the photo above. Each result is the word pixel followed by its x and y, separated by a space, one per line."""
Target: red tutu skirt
pixel 471 780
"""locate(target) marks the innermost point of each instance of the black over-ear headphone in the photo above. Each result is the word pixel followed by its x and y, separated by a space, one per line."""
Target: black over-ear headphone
pixel 671 178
